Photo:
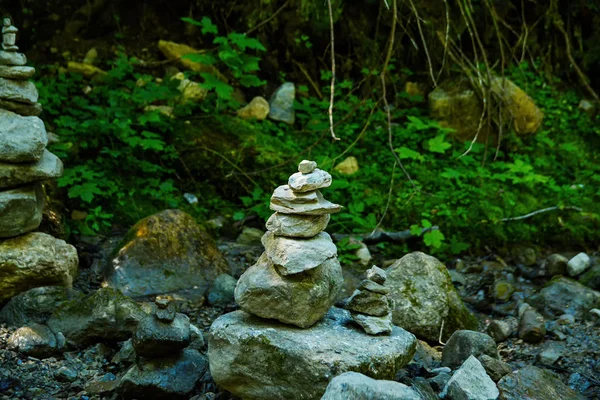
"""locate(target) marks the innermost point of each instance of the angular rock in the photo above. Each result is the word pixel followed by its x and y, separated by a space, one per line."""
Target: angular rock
pixel 23 139
pixel 347 167
pixel 376 275
pixel 470 382
pixel 300 226
pixel 533 383
pixel 371 286
pixel 299 363
pixel 565 296
pixel 495 368
pixel 196 338
pixel 500 330
pixel 36 305
pixel 520 108
pixel 463 344
pixel 20 91
pixel 355 386
pixel 48 167
pixel 35 340
pixel 33 260
pixel 374 325
pixel 281 103
pixel 222 290
pixel 12 58
pixel 578 264
pixel 126 354
pixel 320 207
pixel 101 316
pixel 300 299
pixel 556 264
pixel 317 179
pixel 190 90
pixel 168 244
pixel 307 166
pixel 424 296
pixel 551 353
pixel 532 326
pixel 16 72
pixel 153 338
pixel 591 278
pixel 164 378
pixel 23 109
pixel 20 211
pixel 258 109
pixel 368 303
pixel 294 255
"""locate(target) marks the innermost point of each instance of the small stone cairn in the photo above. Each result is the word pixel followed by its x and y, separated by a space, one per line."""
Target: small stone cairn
pixel 298 277
pixel 24 160
pixel 370 305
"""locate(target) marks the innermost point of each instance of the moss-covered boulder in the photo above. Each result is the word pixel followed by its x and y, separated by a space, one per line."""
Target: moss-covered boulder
pixel 165 253
pixel 535 384
pixel 255 358
pixel 106 315
pixel 425 298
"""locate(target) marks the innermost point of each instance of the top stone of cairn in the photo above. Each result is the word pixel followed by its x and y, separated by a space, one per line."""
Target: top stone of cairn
pixel 306 166
pixel 9 36
pixel 313 179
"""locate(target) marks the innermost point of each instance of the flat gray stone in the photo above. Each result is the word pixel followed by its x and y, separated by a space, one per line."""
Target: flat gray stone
pixel 12 58
pixel 153 338
pixel 285 197
pixel 294 255
pixel 299 226
pixel 301 299
pixel 23 139
pixel 20 210
pixel 16 90
pixel 374 325
pixel 369 303
pixel 317 179
pixel 355 386
pixel 371 286
pixel 258 359
pixel 320 207
pixel 470 382
pixel 48 167
pixel 28 110
pixel 15 72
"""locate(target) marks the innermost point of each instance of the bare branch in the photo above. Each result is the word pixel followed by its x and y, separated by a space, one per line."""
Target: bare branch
pixel 543 210
pixel 332 73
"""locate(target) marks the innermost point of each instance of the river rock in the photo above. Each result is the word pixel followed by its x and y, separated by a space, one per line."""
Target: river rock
pixel 347 167
pixel 153 338
pixel 371 286
pixel 164 378
pixel 12 58
pixel 376 275
pixel 500 330
pixel 258 109
pixel 284 196
pixel 565 296
pixel 35 340
pixel 21 108
pixel 317 179
pixel 470 382
pixel 104 315
pixel 48 167
pixel 355 386
pixel 165 253
pixel 300 226
pixel 23 139
pixel 281 103
pixel 321 207
pixel 33 260
pixel 591 278
pixel 300 299
pixel 532 326
pixel 36 305
pixel 424 296
pixel 369 303
pixel 494 367
pixel 578 264
pixel 463 344
pixel 307 166
pixel 20 210
pixel 222 290
pixel 258 359
pixel 556 264
pixel 294 255
pixel 177 51
pixel 17 90
pixel 374 325
pixel 14 72
pixel 533 383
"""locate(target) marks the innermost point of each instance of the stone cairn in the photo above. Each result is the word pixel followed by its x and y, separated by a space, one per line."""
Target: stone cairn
pixel 24 160
pixel 370 305
pixel 298 277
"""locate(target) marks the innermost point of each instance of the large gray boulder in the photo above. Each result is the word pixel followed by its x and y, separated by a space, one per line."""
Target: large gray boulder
pixel 21 210
pixel 464 344
pixel 34 260
pixel 533 383
pixel 257 359
pixel 165 253
pixel 565 296
pixel 355 386
pixel 36 305
pixel 470 382
pixel 301 299
pixel 424 297
pixel 23 139
pixel 48 167
pixel 164 378
pixel 106 315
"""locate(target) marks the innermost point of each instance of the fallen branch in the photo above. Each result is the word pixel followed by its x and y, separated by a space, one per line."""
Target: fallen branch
pixel 543 210
pixel 382 236
pixel 332 73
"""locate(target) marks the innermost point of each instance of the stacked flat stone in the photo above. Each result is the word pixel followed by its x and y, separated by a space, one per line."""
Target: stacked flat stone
pixel 298 277
pixel 370 305
pixel 24 160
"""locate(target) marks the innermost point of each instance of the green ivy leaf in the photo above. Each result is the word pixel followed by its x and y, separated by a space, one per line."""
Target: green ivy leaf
pixel 206 24
pixel 438 144
pixel 433 239
pixel 223 89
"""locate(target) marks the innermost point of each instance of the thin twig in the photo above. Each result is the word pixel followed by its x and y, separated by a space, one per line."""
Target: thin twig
pixel 441 331
pixel 310 80
pixel 280 9
pixel 332 72
pixel 445 41
pixel 414 9
pixel 387 205
pixel 543 210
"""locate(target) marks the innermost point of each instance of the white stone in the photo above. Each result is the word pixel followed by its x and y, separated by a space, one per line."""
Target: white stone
pixel 285 197
pixel 15 72
pixel 355 386
pixel 300 226
pixel 22 139
pixel 12 58
pixel 293 255
pixel 18 90
pixel 317 179
pixel 306 166
pixel 470 382
pixel 578 264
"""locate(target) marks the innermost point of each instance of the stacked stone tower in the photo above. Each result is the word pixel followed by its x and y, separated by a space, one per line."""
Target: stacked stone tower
pixel 24 160
pixel 298 277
